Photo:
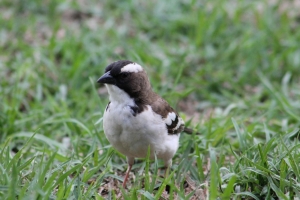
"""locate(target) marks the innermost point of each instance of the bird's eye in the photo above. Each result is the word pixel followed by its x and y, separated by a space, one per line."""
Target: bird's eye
pixel 124 75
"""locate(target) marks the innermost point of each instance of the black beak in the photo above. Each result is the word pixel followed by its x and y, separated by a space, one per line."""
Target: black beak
pixel 106 78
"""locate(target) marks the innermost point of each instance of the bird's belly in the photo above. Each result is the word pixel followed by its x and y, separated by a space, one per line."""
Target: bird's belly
pixel 133 135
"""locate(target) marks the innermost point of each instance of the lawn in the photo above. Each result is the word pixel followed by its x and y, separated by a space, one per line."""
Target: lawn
pixel 230 68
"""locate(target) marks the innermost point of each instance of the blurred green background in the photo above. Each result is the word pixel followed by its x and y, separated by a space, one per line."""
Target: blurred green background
pixel 231 68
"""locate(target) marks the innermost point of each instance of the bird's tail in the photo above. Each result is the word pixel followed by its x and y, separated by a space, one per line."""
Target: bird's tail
pixel 190 131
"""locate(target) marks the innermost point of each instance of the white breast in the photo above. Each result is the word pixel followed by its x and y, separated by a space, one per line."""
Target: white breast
pixel 131 135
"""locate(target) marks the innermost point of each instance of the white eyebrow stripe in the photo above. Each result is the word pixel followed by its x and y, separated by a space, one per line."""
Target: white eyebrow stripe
pixel 132 67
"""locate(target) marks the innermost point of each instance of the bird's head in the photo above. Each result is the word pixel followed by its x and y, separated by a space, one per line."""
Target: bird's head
pixel 125 76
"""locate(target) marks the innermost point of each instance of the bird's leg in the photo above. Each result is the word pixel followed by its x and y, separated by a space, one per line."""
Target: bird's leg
pixel 167 167
pixel 168 164
pixel 130 161
pixel 167 171
pixel 127 175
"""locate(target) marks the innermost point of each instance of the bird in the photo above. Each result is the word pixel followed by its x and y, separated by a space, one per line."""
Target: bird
pixel 136 118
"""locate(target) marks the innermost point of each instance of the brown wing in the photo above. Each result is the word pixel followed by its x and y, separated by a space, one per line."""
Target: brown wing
pixel 174 123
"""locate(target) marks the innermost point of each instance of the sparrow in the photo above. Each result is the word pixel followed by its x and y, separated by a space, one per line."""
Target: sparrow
pixel 137 118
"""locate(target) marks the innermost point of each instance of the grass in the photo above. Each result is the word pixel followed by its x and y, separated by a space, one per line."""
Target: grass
pixel 231 68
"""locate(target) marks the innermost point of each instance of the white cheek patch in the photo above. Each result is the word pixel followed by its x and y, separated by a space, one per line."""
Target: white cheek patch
pixel 118 95
pixel 170 118
pixel 132 67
